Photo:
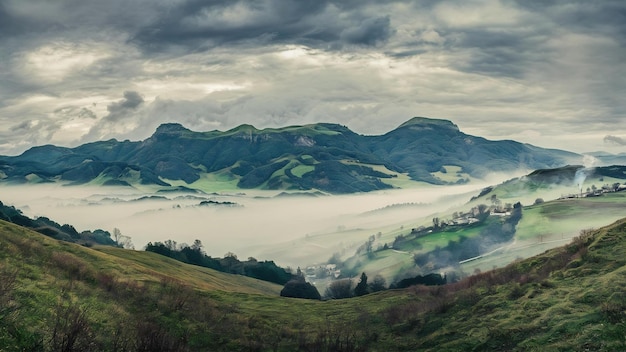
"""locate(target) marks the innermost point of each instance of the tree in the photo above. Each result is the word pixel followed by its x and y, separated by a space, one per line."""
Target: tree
pixel 197 245
pixel 378 284
pixel 368 247
pixel 121 240
pixel 339 289
pixel 361 288
pixel 495 201
pixel 538 201
pixel 117 234
pixel 435 223
pixel 299 288
pixel 171 245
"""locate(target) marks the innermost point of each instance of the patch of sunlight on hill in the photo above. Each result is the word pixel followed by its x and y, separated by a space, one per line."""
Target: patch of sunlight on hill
pixel 300 170
pixel 220 181
pixel 142 266
pixel 452 174
pixel 398 180
pixel 389 264
pixel 552 224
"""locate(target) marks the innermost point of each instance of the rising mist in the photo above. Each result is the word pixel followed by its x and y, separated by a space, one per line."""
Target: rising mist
pixel 293 230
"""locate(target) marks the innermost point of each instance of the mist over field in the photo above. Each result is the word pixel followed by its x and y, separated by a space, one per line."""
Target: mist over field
pixel 292 230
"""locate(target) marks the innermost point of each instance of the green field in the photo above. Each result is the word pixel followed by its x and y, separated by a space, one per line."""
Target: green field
pixel 220 181
pixel 452 174
pixel 542 227
pixel 300 170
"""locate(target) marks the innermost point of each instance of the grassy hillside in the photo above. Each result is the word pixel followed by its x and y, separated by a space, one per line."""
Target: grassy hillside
pixel 544 224
pixel 60 296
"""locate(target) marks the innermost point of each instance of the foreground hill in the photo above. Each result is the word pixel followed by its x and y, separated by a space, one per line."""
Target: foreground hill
pixel 322 156
pixel 61 296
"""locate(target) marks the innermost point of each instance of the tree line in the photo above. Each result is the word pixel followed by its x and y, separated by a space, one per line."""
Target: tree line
pixel 195 255
pixel 50 228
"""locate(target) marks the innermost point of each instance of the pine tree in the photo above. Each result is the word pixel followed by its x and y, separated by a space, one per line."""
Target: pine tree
pixel 361 287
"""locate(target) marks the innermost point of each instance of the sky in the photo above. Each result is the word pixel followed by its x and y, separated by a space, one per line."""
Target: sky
pixel 549 73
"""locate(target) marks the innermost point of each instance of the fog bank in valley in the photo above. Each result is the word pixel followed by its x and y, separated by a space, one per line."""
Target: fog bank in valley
pixel 291 230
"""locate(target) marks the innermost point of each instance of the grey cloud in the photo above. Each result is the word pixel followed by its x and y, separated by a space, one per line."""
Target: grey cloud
pixel 325 24
pixel 197 115
pixel 24 17
pixel 606 17
pixel 369 32
pixel 557 61
pixel 200 23
pixel 86 113
pixel 22 126
pixel 507 52
pixel 21 17
pixel 614 140
pixel 119 109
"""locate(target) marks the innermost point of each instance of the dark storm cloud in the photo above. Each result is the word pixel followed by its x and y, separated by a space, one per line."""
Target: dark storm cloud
pixel 117 110
pixel 9 25
pixel 369 32
pixel 200 25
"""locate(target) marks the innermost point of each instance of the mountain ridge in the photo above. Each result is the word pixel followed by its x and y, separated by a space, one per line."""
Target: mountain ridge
pixel 322 156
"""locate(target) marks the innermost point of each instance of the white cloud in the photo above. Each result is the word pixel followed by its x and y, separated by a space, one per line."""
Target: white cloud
pixel 477 13
pixel 52 63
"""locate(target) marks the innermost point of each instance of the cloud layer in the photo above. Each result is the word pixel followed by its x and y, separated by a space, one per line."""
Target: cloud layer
pixel 75 71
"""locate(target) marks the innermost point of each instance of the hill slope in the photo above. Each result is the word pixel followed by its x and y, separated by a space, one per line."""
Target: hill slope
pixel 322 156
pixel 60 296
pixel 554 210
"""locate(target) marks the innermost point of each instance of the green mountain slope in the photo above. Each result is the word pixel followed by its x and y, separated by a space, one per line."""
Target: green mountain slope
pixel 60 296
pixel 322 156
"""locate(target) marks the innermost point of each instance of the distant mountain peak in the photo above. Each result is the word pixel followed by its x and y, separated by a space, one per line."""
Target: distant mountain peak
pixel 169 128
pixel 428 122
pixel 244 128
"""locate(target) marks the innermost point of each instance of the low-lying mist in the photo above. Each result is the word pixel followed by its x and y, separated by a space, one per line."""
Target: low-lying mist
pixel 291 230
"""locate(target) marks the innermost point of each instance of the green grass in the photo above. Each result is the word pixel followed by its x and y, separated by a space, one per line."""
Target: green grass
pixel 567 298
pixel 453 174
pixel 542 227
pixel 300 170
pixel 399 180
pixel 220 181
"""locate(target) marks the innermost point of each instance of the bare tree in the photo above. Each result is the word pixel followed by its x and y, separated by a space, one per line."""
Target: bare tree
pixel 71 330
pixel 121 240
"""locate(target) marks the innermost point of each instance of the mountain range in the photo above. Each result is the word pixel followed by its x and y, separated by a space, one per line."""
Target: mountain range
pixel 322 156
